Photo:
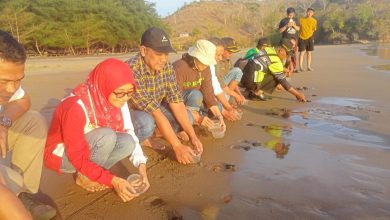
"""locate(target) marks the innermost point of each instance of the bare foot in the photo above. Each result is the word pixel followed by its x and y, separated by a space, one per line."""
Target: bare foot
pixel 153 144
pixel 182 135
pixel 89 185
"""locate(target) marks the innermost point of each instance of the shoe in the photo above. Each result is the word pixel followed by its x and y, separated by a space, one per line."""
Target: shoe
pixel 38 210
pixel 310 69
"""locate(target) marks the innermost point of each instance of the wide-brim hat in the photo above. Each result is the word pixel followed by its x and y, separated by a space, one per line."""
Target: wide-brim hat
pixel 204 51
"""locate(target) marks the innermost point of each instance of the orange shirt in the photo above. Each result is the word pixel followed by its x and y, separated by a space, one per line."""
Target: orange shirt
pixel 308 26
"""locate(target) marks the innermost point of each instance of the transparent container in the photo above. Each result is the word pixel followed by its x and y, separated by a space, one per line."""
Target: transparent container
pixel 216 130
pixel 238 113
pixel 134 179
pixel 197 157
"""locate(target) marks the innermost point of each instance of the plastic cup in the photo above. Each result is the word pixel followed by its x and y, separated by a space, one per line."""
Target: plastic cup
pixel 216 130
pixel 196 158
pixel 132 179
pixel 239 114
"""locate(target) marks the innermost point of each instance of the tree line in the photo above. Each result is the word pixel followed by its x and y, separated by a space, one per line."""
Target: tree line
pixel 351 21
pixel 77 27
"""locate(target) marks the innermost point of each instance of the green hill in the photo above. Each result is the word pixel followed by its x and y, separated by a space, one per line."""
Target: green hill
pixel 242 20
pixel 339 21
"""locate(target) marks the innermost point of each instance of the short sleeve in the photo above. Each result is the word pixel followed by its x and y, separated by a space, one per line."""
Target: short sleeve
pixel 173 94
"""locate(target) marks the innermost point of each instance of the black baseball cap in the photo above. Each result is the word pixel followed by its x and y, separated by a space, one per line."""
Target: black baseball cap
pixel 290 10
pixel 287 45
pixel 157 39
pixel 230 45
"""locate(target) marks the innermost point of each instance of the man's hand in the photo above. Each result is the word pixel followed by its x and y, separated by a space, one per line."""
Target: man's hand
pixel 144 176
pixel 206 122
pixel 301 97
pixel 123 188
pixel 184 154
pixel 222 124
pixel 229 115
pixel 197 144
pixel 3 141
pixel 239 99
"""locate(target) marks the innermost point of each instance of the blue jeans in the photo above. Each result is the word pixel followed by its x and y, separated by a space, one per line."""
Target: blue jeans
pixel 144 123
pixel 106 146
pixel 193 99
pixel 234 74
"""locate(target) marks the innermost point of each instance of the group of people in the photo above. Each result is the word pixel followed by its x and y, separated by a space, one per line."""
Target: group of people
pixel 125 105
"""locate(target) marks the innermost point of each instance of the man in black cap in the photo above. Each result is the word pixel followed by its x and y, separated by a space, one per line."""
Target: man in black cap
pixel 265 71
pixel 289 27
pixel 157 100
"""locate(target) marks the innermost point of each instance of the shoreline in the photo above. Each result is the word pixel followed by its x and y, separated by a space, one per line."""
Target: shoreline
pixel 336 165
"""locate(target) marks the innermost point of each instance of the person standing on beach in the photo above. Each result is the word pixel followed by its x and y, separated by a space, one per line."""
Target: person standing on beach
pixel 158 101
pixel 289 27
pixel 265 71
pixel 91 131
pixel 306 39
pixel 22 131
pixel 194 81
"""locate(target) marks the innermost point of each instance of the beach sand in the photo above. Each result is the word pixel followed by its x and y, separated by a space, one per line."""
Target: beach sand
pixel 337 164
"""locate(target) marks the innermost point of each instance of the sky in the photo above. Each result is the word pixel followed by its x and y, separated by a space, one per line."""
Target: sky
pixel 167 7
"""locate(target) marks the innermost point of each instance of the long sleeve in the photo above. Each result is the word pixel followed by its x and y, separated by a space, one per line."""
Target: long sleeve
pixel 215 82
pixel 207 89
pixel 72 124
pixel 137 156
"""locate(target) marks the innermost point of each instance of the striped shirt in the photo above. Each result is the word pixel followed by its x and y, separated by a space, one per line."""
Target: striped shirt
pixel 152 88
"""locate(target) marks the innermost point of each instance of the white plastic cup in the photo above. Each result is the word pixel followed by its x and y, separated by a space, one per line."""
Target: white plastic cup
pixel 238 113
pixel 216 130
pixel 138 189
pixel 196 158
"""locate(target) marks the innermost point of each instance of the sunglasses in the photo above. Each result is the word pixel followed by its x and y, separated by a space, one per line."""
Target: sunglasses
pixel 123 94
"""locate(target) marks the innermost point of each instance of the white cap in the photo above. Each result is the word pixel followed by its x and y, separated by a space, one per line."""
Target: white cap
pixel 204 51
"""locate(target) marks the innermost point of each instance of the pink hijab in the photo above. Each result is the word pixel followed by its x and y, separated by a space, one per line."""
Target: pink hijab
pixel 101 82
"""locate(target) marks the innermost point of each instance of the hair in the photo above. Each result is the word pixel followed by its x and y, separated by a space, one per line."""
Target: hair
pixel 10 49
pixel 290 10
pixel 310 9
pixel 216 41
pixel 262 42
pixel 190 60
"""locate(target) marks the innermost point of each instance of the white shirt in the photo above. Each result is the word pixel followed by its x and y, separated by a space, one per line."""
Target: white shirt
pixel 17 95
pixel 214 81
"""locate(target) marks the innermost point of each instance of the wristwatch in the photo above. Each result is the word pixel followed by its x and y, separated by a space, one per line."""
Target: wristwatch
pixel 5 121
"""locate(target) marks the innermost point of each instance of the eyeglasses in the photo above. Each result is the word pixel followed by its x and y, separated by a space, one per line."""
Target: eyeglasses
pixel 123 94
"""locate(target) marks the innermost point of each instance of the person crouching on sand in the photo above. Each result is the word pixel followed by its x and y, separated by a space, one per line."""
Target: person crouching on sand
pixel 194 81
pixel 265 71
pixel 91 131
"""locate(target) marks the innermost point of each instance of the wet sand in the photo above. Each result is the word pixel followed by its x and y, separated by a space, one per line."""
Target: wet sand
pixel 333 158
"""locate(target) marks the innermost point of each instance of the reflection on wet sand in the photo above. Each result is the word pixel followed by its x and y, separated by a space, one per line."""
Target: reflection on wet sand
pixel 382 51
pixel 330 171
